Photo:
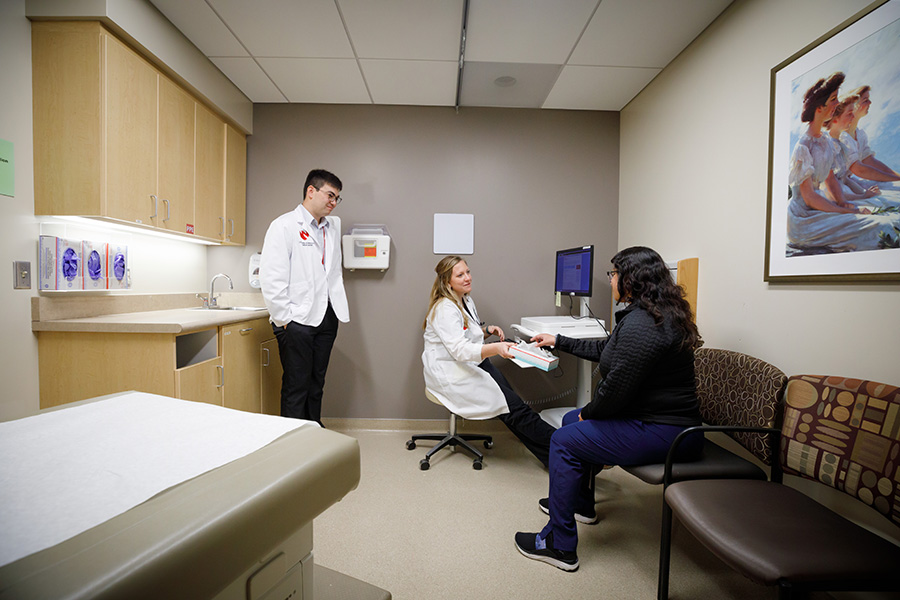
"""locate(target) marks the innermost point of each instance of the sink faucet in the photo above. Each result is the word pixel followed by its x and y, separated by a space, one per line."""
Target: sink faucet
pixel 212 286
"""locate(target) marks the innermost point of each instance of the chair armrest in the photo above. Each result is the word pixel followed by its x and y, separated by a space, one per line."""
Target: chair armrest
pixel 775 442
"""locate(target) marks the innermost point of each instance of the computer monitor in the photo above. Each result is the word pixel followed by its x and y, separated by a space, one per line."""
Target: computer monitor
pixel 575 271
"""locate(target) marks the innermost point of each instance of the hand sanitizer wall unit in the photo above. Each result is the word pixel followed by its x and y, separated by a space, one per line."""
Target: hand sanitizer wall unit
pixel 366 247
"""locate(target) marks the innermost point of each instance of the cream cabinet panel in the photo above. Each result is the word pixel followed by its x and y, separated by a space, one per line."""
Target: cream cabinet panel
pixel 240 350
pixel 131 135
pixel 209 182
pixel 78 365
pixel 270 378
pixel 67 75
pixel 235 186
pixel 202 382
pixel 176 158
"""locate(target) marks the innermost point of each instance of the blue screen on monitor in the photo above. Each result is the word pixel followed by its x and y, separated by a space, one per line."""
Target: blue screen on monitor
pixel 575 271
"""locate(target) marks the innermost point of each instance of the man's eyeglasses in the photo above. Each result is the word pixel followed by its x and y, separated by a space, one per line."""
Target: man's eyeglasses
pixel 331 196
pixel 611 273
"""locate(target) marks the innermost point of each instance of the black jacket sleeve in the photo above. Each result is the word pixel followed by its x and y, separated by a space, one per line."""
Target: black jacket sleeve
pixel 586 349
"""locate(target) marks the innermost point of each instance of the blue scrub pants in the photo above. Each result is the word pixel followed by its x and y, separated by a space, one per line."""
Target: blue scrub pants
pixel 578 445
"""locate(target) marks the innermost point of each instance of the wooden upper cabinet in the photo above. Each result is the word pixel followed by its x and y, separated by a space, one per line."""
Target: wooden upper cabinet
pixel 235 186
pixel 176 158
pixel 68 104
pixel 116 138
pixel 209 179
pixel 131 135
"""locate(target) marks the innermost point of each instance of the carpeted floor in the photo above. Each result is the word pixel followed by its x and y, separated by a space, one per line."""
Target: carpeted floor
pixel 447 533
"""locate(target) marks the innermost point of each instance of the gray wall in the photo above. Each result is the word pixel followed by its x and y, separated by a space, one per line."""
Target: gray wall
pixel 536 181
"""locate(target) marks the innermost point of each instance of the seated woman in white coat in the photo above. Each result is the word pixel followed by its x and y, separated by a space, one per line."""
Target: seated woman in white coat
pixel 457 366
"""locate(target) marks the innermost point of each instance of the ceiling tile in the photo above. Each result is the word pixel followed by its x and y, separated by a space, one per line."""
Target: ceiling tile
pixel 404 29
pixel 598 88
pixel 532 84
pixel 526 32
pixel 417 82
pixel 287 28
pixel 196 20
pixel 249 78
pixel 611 40
pixel 318 80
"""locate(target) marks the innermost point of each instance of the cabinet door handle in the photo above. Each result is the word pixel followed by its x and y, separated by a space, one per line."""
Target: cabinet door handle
pixel 231 235
pixel 246 330
pixel 222 232
pixel 266 361
pixel 155 206
pixel 221 376
pixel 167 210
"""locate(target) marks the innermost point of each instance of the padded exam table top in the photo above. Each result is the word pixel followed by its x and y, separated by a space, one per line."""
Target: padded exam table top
pixel 246 482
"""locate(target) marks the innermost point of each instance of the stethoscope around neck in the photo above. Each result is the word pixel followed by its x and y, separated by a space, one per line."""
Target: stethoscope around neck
pixel 473 313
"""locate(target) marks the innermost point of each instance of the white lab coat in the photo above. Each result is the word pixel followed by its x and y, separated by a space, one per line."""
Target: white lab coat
pixel 451 360
pixel 296 286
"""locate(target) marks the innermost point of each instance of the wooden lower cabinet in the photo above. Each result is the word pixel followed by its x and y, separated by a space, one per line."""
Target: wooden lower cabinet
pixel 270 383
pixel 75 366
pixel 203 382
pixel 236 366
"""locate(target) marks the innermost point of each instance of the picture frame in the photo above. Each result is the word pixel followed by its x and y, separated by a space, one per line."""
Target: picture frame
pixel 807 245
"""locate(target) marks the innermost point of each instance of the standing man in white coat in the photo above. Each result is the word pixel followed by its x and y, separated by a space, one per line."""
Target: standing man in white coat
pixel 303 287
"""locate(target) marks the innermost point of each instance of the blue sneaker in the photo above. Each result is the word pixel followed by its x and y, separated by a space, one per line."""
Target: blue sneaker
pixel 532 546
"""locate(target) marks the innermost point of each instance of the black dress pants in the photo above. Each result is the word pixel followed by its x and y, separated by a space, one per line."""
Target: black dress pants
pixel 521 419
pixel 305 351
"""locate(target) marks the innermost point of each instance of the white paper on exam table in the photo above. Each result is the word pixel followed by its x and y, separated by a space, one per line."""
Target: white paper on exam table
pixel 68 470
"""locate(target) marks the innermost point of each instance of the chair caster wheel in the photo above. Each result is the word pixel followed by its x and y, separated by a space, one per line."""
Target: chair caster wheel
pixel 476 464
pixel 424 464
pixel 410 445
pixel 488 445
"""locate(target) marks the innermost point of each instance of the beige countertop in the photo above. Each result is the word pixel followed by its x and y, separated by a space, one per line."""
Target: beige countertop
pixel 177 320
pixel 119 319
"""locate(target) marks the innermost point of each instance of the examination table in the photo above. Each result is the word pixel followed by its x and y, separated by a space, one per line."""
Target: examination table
pixel 242 529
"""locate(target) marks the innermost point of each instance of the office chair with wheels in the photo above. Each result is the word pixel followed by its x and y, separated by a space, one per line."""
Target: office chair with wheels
pixel 451 439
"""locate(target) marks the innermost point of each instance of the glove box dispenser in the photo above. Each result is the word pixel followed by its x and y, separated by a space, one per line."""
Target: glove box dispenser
pixel 366 247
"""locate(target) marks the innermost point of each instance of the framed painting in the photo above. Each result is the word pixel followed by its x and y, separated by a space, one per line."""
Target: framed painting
pixel 833 210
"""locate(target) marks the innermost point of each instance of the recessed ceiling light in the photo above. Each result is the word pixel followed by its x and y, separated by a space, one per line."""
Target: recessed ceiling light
pixel 505 81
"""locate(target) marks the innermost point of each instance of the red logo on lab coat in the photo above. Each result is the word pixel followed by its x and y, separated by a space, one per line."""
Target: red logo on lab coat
pixel 304 235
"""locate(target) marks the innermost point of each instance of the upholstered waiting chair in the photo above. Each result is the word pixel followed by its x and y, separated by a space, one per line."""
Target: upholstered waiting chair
pixel 842 433
pixel 734 389
pixel 451 439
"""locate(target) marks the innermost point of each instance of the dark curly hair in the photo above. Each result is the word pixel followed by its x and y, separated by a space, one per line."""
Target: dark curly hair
pixel 817 95
pixel 644 280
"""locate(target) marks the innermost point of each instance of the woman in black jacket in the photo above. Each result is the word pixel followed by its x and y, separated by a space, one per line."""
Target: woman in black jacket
pixel 647 397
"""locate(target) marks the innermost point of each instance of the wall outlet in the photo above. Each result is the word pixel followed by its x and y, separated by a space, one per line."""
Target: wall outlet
pixel 21 275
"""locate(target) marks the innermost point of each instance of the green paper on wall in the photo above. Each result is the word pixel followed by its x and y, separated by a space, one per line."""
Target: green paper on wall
pixel 7 169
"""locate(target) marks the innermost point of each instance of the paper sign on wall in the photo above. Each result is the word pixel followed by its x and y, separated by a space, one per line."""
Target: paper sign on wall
pixel 7 169
pixel 454 233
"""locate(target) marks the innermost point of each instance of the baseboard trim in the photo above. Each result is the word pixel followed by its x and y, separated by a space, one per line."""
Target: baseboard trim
pixel 489 426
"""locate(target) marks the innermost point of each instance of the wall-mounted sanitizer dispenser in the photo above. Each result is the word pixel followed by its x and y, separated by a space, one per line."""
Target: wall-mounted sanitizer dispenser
pixel 367 247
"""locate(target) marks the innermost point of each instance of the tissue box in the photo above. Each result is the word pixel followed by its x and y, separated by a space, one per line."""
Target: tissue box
pixel 47 262
pixel 117 276
pixel 59 263
pixel 534 356
pixel 93 257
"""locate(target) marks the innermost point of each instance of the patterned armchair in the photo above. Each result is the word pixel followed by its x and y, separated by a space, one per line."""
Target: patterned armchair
pixel 739 393
pixel 842 433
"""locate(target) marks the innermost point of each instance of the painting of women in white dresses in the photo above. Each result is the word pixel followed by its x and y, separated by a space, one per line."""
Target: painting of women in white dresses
pixel 844 193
